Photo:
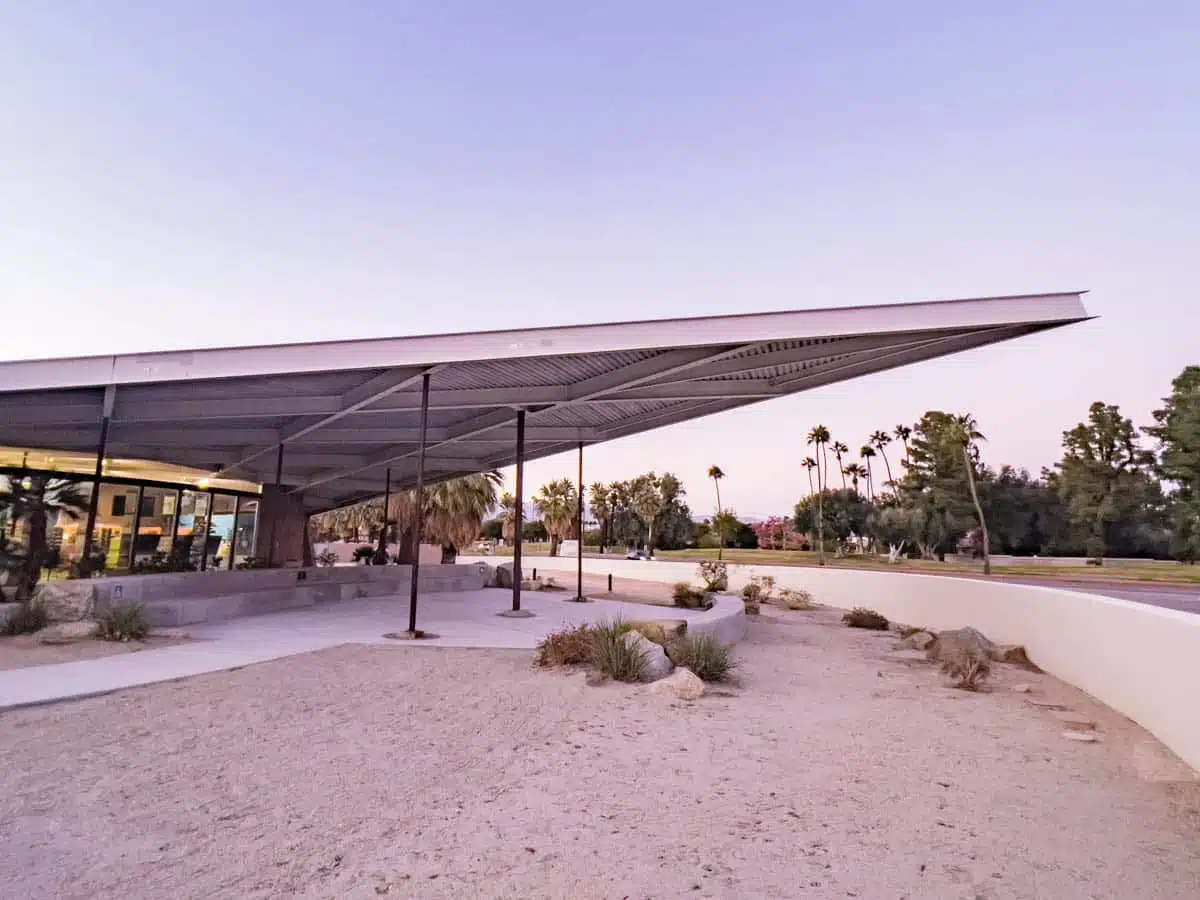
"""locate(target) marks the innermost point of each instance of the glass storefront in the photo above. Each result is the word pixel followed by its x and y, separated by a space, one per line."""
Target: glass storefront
pixel 247 520
pixel 156 527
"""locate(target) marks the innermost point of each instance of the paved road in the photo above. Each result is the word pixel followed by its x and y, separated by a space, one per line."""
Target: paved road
pixel 1184 598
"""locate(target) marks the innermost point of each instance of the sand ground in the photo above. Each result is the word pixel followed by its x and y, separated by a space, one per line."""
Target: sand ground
pixel 24 650
pixel 835 769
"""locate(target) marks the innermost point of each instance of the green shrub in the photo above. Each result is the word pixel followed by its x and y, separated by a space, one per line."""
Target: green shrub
pixel 327 558
pixel 796 599
pixel 752 593
pixel 569 647
pixel 689 597
pixel 861 617
pixel 705 655
pixel 715 575
pixel 125 623
pixel 613 657
pixel 26 619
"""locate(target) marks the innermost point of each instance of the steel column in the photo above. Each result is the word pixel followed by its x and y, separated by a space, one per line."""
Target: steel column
pixel 520 523
pixel 579 534
pixel 419 525
pixel 110 396
pixel 175 521
pixel 271 526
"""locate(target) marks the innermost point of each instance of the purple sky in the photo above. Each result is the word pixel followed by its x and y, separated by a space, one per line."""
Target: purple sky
pixel 179 175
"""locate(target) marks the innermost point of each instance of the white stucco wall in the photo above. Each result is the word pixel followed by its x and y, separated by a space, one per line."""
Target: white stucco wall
pixel 1140 660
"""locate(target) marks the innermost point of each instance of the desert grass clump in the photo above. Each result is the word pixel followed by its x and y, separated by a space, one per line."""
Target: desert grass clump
pixel 796 599
pixel 715 575
pixel 27 618
pixel 688 597
pixel 614 657
pixel 706 656
pixel 752 595
pixel 568 647
pixel 125 623
pixel 861 617
pixel 967 670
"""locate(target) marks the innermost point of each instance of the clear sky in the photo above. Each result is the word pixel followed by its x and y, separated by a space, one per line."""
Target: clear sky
pixel 201 174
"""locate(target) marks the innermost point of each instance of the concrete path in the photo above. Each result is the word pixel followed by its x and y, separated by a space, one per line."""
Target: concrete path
pixel 460 619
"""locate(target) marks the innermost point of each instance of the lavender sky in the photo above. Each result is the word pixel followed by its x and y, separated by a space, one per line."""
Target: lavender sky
pixel 201 174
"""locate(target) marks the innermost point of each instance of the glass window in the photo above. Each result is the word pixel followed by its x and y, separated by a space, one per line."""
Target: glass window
pixel 220 533
pixel 113 536
pixel 157 523
pixel 247 521
pixel 193 524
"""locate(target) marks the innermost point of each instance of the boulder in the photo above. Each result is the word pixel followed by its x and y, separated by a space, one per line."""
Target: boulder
pixel 658 665
pixel 1014 654
pixel 682 684
pixel 502 577
pixel 67 601
pixel 661 631
pixel 68 632
pixel 918 640
pixel 964 654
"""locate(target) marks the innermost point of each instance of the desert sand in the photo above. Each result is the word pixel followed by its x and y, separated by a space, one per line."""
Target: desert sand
pixel 836 768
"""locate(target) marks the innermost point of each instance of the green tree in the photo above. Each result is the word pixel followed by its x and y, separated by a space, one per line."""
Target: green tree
pixel 1177 432
pixel 903 433
pixel 646 501
pixel 843 514
pixel 1098 474
pixel 818 438
pixel 36 500
pixel 879 440
pixel 839 450
pixel 867 452
pixel 600 501
pixel 967 435
pixel 455 510
pixel 715 473
pixel 557 503
pixel 809 464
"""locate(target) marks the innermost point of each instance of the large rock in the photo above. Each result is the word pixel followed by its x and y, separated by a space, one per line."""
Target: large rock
pixel 682 684
pixel 918 640
pixel 658 665
pixel 661 631
pixel 67 601
pixel 1006 653
pixel 68 632
pixel 964 654
pixel 502 577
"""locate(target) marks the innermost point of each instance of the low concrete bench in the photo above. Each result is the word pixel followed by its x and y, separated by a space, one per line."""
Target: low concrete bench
pixel 192 598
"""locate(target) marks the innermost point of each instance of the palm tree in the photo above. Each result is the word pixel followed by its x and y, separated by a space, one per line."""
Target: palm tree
pixel 855 471
pixel 557 503
pixel 903 432
pixel 839 449
pixel 966 432
pixel 38 500
pixel 819 437
pixel 600 499
pixel 455 510
pixel 809 464
pixel 880 439
pixel 646 500
pixel 508 513
pixel 866 451
pixel 715 473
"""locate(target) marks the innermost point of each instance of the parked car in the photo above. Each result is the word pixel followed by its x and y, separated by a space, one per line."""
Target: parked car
pixel 636 554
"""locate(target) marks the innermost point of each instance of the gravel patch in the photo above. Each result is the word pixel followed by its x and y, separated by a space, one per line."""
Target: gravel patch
pixel 837 768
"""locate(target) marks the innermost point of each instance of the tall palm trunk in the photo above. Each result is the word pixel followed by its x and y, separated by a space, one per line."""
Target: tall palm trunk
pixel 870 481
pixel 810 487
pixel 883 453
pixel 820 512
pixel 720 531
pixel 987 560
pixel 36 556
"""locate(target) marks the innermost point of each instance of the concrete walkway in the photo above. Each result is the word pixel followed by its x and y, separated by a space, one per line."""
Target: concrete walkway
pixel 459 619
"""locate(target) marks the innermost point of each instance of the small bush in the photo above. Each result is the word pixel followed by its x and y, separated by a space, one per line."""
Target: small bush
pixel 125 623
pixel 796 599
pixel 861 617
pixel 613 657
pixel 752 593
pixel 569 647
pixel 907 631
pixel 706 656
pixel 715 575
pixel 364 552
pixel 968 670
pixel 689 597
pixel 26 619
pixel 327 558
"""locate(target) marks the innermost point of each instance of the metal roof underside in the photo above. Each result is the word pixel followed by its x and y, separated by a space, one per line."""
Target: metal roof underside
pixel 346 411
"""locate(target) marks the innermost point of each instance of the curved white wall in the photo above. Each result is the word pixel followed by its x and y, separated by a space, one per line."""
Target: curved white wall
pixel 1140 660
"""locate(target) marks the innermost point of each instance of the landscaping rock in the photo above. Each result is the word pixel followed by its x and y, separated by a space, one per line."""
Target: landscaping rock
pixel 68 632
pixel 1084 737
pixel 918 640
pixel 661 631
pixel 502 577
pixel 682 684
pixel 1013 654
pixel 67 601
pixel 658 664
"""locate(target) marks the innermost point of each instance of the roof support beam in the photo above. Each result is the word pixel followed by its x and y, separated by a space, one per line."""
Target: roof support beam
pixel 356 398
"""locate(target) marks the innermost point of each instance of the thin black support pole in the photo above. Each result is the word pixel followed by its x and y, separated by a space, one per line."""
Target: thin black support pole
pixel 137 524
pixel 175 521
pixel 237 511
pixel 579 533
pixel 516 588
pixel 381 553
pixel 420 523
pixel 110 395
pixel 208 511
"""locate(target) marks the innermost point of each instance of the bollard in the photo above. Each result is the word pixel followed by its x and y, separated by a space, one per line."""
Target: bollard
pixel 610 582
pixel 535 574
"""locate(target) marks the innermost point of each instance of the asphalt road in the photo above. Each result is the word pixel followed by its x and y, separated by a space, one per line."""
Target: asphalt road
pixel 1185 598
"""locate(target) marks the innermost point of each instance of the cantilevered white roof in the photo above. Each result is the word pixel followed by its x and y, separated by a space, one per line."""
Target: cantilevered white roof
pixel 347 410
